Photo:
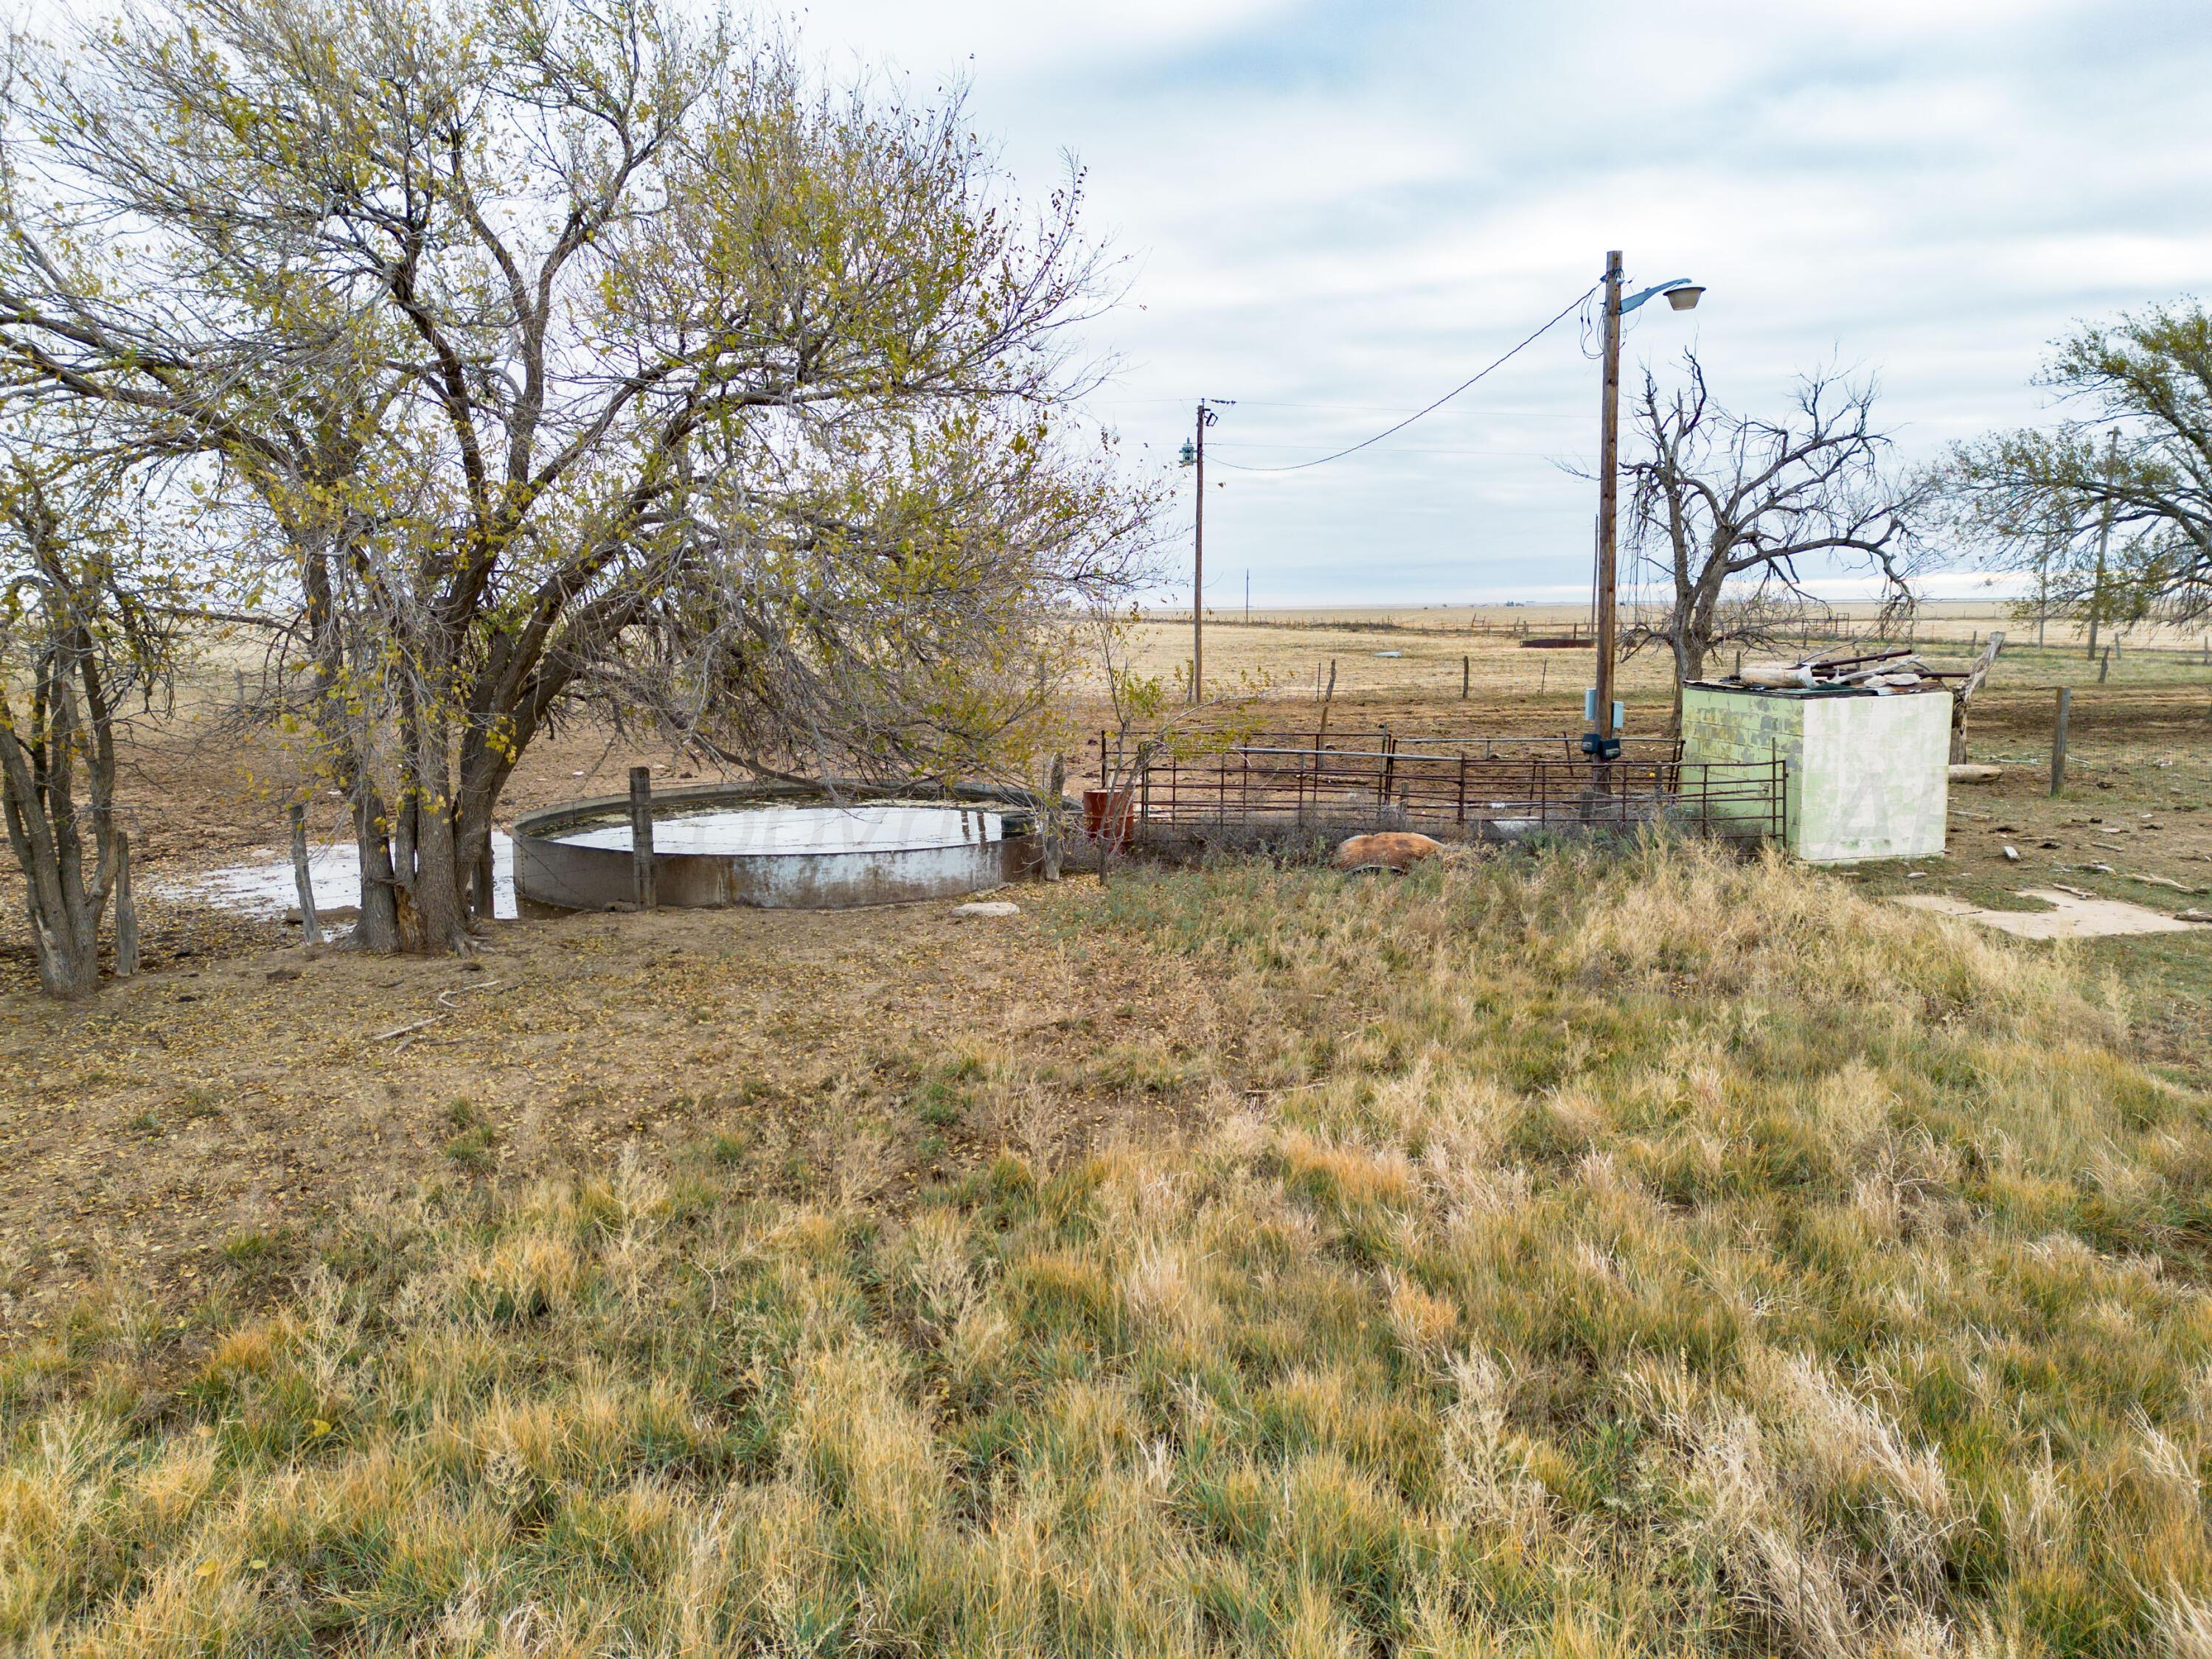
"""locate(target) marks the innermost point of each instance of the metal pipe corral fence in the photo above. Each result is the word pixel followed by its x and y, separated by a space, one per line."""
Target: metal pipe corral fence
pixel 1453 785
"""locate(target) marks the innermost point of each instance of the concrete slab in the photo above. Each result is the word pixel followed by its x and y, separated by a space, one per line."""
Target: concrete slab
pixel 2070 916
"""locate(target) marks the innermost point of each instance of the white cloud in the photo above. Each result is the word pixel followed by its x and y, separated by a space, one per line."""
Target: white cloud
pixel 1335 209
pixel 931 37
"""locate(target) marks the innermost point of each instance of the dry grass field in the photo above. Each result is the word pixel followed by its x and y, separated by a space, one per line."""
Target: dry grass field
pixel 1585 1251
pixel 1587 1254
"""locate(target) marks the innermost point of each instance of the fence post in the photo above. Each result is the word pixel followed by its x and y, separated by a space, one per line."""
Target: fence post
pixel 641 838
pixel 1462 788
pixel 126 910
pixel 1466 676
pixel 2058 739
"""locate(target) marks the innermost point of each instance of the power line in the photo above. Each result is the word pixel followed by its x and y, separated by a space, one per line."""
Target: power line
pixel 1507 455
pixel 1356 408
pixel 1299 466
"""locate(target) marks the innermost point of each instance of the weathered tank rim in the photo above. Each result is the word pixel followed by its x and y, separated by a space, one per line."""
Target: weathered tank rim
pixel 562 875
pixel 547 823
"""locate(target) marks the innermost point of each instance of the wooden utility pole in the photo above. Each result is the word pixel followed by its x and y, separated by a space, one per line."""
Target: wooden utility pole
pixel 1198 575
pixel 1609 461
pixel 1205 418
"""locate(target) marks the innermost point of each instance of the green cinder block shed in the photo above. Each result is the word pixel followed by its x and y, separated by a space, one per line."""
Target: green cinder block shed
pixel 1869 774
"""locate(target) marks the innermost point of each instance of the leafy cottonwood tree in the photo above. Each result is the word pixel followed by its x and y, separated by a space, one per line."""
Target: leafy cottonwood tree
pixel 1727 505
pixel 571 352
pixel 2111 507
pixel 87 621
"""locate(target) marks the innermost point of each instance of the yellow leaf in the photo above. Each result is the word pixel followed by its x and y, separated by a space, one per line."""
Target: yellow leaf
pixel 256 1565
pixel 207 1568
pixel 318 1428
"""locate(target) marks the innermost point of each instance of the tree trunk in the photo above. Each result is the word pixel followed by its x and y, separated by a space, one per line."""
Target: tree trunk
pixel 440 922
pixel 64 924
pixel 68 957
pixel 1054 825
pixel 484 884
pixel 483 776
pixel 379 927
pixel 1689 665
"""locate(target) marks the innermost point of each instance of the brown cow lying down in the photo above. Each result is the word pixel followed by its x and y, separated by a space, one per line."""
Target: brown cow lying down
pixel 1388 849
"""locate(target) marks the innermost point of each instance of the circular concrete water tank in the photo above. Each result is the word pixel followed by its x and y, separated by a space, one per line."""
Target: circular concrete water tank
pixel 778 846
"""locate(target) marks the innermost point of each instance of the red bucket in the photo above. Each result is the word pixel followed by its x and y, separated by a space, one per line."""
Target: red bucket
pixel 1109 815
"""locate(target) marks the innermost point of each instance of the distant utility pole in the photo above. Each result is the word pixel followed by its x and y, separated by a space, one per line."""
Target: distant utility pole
pixel 1247 596
pixel 1193 455
pixel 2104 539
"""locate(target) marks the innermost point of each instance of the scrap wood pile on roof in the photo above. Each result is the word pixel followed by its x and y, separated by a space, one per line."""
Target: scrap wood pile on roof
pixel 1883 672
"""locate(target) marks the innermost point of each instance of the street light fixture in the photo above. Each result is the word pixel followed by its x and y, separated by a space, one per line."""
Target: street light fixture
pixel 1681 292
pixel 1603 741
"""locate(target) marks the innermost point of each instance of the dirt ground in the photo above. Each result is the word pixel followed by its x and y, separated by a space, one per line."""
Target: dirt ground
pixel 201 1121
pixel 215 1111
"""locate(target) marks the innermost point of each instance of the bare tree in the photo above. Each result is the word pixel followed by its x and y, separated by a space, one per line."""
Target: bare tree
pixel 2112 506
pixel 1731 509
pixel 572 352
pixel 87 621
pixel 849 635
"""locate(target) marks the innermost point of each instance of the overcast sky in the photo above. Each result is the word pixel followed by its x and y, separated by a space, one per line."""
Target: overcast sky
pixel 1334 211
